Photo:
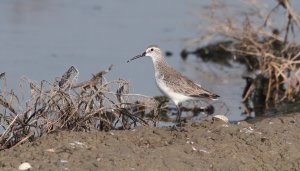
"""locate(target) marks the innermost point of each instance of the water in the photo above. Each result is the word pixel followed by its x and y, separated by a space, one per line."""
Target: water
pixel 42 38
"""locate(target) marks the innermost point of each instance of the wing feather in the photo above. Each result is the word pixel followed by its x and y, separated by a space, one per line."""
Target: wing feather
pixel 182 84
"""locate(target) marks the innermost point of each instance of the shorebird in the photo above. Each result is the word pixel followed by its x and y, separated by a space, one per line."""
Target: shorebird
pixel 173 84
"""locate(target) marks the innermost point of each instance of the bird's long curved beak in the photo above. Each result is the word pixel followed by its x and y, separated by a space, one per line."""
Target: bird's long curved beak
pixel 138 56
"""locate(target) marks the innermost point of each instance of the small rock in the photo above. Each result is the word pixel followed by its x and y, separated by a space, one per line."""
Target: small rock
pixel 225 125
pixel 51 150
pixel 169 53
pixel 204 151
pixel 220 118
pixel 248 130
pixel 25 166
pixel 184 54
pixel 64 161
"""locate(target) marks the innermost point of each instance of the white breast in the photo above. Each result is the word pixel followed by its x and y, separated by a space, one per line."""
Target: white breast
pixel 175 97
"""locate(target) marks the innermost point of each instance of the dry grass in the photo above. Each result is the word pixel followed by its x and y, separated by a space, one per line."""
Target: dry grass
pixel 268 48
pixel 96 104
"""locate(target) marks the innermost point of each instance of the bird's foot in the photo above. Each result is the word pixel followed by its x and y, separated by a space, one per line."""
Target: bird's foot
pixel 178 126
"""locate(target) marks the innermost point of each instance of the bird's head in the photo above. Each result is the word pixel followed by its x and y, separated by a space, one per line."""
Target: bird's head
pixel 152 51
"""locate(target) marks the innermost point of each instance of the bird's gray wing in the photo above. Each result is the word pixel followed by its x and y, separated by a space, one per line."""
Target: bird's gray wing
pixel 182 84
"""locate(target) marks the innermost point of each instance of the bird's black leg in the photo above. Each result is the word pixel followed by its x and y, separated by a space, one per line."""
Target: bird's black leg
pixel 178 117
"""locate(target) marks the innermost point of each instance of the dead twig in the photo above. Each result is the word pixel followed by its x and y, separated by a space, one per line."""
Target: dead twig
pixel 95 104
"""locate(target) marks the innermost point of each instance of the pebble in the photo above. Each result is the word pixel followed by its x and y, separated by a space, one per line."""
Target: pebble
pixel 221 117
pixel 25 166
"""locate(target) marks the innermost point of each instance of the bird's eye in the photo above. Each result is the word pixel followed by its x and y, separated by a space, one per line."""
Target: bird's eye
pixel 151 49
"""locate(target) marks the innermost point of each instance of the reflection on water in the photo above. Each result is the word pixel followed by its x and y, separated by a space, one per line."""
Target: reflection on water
pixel 42 38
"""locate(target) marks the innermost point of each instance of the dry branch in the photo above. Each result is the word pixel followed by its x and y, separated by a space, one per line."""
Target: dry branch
pixel 264 47
pixel 95 104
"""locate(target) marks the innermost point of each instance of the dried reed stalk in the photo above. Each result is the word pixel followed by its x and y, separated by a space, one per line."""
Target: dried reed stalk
pixel 95 104
pixel 265 47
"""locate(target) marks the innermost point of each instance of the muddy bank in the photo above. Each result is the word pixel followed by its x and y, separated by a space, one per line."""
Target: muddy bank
pixel 269 144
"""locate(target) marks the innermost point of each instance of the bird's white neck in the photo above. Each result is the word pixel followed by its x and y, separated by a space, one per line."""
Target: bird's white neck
pixel 158 60
pixel 159 63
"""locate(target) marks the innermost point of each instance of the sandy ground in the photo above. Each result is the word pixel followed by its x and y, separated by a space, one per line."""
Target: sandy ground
pixel 268 144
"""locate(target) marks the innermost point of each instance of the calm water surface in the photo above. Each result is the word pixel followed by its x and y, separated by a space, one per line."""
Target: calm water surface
pixel 42 38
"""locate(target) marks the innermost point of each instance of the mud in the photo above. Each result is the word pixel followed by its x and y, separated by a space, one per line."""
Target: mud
pixel 267 144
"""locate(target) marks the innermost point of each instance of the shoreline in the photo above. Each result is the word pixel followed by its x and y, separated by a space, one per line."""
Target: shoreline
pixel 268 144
